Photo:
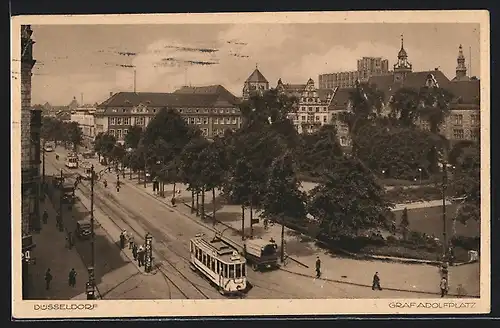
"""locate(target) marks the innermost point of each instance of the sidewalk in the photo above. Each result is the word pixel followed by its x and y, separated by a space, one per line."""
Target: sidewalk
pixel 51 252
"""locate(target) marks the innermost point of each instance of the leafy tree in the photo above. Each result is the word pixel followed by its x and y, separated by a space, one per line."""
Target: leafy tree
pixel 213 161
pixel 73 134
pixel 367 103
pixel 117 154
pixel 405 223
pixel 133 136
pixel 434 106
pixel 191 168
pixel 349 200
pixel 466 185
pixel 104 144
pixel 458 149
pixel 52 129
pixel 398 151
pixel 404 106
pixel 319 150
pixel 283 198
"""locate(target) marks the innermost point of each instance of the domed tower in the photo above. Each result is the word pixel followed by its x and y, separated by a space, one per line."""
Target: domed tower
pixel 256 82
pixel 403 66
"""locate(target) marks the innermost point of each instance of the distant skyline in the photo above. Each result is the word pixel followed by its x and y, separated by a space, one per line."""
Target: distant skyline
pixel 88 59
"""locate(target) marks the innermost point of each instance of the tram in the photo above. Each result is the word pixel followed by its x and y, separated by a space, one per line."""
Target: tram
pixel 71 162
pixel 220 263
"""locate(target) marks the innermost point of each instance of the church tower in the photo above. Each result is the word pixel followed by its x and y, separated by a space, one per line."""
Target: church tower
pixel 403 66
pixel 461 70
pixel 256 82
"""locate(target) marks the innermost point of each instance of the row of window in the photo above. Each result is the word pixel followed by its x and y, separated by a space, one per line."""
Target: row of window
pixel 460 134
pixel 309 118
pixel 230 271
pixel 311 109
pixel 121 120
pixel 118 133
pixel 310 100
pixel 143 109
pixel 216 120
pixel 457 119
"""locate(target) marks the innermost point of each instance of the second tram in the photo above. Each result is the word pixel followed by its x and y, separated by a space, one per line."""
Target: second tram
pixel 72 162
pixel 220 263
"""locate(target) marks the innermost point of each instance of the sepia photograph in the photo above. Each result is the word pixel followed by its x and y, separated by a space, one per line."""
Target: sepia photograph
pixel 257 163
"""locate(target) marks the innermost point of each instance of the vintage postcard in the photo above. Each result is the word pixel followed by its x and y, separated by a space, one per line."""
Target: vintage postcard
pixel 245 164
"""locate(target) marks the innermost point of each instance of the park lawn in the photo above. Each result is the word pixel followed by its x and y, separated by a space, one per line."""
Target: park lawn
pixel 429 220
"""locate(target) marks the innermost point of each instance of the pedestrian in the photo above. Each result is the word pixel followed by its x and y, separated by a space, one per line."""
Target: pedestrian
pixel 318 267
pixel 45 216
pixel 122 240
pixel 105 183
pixel 72 278
pixel 48 279
pixel 140 256
pixel 173 201
pixel 443 285
pixel 376 282
pixel 69 239
pixel 130 241
pixel 134 251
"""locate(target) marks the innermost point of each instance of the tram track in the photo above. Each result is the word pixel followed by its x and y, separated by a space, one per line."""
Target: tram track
pixel 257 282
pixel 112 213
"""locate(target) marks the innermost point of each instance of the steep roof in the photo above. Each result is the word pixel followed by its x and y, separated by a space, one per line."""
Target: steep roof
pixel 257 77
pixel 466 92
pixel 217 89
pixel 386 84
pixel 323 94
pixel 340 98
pixel 131 99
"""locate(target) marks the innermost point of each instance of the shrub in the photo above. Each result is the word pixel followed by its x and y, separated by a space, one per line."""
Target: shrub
pixel 468 243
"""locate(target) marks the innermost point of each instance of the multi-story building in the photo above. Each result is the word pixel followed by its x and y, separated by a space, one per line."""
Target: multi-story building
pixel 212 108
pixel 84 116
pixel 462 123
pixel 30 162
pixel 256 82
pixel 367 67
pixel 312 110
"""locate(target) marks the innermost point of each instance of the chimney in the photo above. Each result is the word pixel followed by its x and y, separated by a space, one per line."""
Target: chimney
pixel 110 94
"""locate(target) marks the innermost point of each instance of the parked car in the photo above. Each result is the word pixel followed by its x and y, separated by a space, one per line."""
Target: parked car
pixel 83 229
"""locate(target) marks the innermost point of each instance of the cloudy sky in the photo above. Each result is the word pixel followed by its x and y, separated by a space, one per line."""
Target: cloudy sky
pixel 95 60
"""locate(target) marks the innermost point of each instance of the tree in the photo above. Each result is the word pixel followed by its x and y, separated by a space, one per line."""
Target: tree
pixel 434 105
pixel 349 200
pixel 191 168
pixel 466 185
pixel 283 198
pixel 117 154
pixel 404 106
pixel 319 150
pixel 367 103
pixel 104 144
pixel 405 223
pixel 133 136
pixel 73 134
pixel 213 161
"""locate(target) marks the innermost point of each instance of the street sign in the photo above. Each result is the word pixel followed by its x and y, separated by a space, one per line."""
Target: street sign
pixel 148 261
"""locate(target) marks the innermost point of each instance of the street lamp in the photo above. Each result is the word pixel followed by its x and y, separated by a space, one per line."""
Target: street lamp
pixel 420 173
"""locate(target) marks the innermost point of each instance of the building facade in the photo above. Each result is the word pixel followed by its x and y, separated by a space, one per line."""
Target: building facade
pixel 366 68
pixel 212 108
pixel 255 83
pixel 312 110
pixel 30 129
pixel 84 117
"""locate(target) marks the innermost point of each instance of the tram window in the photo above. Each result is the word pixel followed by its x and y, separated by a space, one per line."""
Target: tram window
pixel 224 270
pixel 213 265
pixel 204 259
pixel 231 271
pixel 217 266
pixel 238 271
pixel 243 270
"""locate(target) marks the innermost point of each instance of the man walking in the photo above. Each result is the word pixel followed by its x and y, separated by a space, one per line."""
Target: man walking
pixel 122 240
pixel 444 286
pixel 140 256
pixel 134 251
pixel 376 282
pixel 318 267
pixel 72 278
pixel 130 241
pixel 45 217
pixel 48 279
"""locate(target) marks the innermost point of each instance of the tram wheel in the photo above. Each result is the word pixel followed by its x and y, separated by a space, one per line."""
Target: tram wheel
pixel 255 267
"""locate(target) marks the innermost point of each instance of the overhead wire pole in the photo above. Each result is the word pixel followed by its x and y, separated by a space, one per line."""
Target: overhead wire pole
pixel 92 234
